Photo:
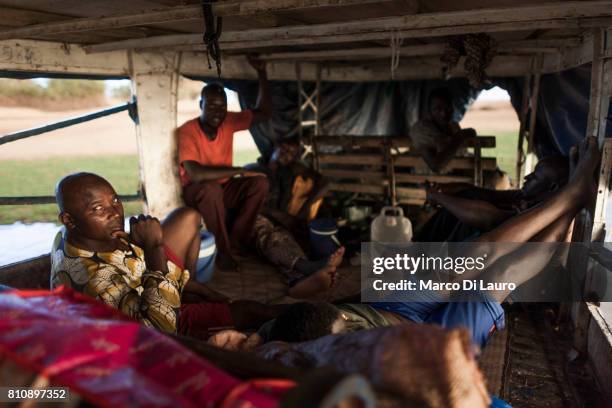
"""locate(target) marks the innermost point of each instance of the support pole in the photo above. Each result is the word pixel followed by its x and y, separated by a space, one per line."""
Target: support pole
pixel 309 101
pixel 157 98
pixel 587 229
pixel 317 112
pixel 23 134
pixel 520 154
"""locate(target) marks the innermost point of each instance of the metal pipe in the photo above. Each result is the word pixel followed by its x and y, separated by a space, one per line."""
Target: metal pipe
pixel 51 199
pixel 23 134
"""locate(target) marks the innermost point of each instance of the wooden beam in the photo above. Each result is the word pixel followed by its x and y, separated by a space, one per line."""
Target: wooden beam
pixel 229 42
pixel 357 188
pixel 157 97
pixel 565 15
pixel 357 53
pixel 418 178
pixel 349 141
pixel 461 163
pixel 173 14
pixel 354 174
pixel 355 159
pixel 414 193
pixel 51 58
pixel 381 177
pixel 512 47
pixel 403 161
pixel 384 36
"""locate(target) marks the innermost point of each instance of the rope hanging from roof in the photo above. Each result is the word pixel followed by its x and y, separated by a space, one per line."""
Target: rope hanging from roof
pixel 478 50
pixel 212 33
pixel 396 43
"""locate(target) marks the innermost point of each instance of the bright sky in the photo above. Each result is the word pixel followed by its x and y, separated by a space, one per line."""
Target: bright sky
pixel 494 94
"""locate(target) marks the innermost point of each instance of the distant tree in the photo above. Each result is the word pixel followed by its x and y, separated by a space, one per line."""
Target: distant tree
pixel 74 88
pixel 123 92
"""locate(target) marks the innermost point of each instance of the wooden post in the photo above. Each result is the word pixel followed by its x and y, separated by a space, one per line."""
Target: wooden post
pixel 389 161
pixel 317 113
pixel 587 229
pixel 478 176
pixel 520 154
pixel 156 91
pixel 531 159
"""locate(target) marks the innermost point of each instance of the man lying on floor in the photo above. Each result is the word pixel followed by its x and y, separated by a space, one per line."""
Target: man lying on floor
pixel 294 197
pixel 467 210
pixel 143 273
pixel 548 222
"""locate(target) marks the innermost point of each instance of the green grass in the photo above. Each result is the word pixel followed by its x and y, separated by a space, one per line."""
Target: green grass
pixel 243 157
pixel 38 177
pixel 505 152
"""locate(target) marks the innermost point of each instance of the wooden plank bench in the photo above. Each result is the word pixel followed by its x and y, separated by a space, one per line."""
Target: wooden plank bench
pixel 383 167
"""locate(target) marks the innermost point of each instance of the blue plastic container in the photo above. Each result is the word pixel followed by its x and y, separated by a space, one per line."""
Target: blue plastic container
pixel 498 403
pixel 206 257
pixel 323 238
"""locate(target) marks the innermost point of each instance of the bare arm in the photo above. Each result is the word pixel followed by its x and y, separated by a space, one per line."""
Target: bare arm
pixel 198 172
pixel 263 111
pixel 437 161
pixel 319 190
pixel 475 213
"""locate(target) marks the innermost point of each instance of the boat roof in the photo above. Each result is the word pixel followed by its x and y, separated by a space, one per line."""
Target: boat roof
pixel 353 40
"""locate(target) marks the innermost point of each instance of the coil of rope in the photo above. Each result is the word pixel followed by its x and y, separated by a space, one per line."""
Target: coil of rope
pixel 478 50
pixel 212 32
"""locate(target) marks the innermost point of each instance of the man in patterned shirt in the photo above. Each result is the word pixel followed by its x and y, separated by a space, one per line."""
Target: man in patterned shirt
pixel 144 272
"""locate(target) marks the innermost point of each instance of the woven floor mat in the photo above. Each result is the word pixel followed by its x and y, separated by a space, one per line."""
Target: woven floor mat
pixel 261 281
pixel 492 361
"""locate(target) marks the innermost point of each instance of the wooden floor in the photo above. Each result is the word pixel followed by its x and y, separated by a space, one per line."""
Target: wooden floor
pixel 537 371
pixel 261 281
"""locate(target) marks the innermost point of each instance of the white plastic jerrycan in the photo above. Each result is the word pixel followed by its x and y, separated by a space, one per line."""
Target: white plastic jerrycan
pixel 391 226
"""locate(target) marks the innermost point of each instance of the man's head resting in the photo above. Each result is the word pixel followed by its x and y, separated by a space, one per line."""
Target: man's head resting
pixel 286 151
pixel 89 209
pixel 549 175
pixel 306 321
pixel 213 103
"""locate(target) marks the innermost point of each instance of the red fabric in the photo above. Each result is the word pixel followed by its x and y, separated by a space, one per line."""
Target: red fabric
pixel 172 257
pixel 196 319
pixel 193 145
pixel 110 360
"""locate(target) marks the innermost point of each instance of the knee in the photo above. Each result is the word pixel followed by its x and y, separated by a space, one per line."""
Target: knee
pixel 191 216
pixel 188 217
pixel 210 192
pixel 259 185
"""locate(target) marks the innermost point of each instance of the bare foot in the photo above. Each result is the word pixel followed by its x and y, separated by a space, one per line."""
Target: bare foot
pixel 315 284
pixel 335 259
pixel 320 281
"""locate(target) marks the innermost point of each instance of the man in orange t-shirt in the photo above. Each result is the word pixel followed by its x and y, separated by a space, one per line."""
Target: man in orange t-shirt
pixel 211 184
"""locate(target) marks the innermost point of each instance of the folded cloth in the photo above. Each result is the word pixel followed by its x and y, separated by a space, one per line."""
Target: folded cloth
pixel 110 360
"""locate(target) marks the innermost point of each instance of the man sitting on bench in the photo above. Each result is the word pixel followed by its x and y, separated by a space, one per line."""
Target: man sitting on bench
pixel 436 137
